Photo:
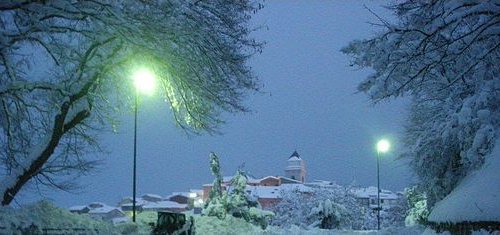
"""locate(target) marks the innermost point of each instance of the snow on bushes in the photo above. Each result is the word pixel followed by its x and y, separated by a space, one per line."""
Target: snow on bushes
pixel 229 225
pixel 333 207
pixel 328 215
pixel 43 217
pixel 210 225
pixel 143 219
pixel 234 201
pixel 418 210
pixel 303 209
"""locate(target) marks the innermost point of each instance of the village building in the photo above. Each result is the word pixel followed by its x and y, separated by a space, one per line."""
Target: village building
pixel 268 191
pixel 126 205
pixel 296 168
pixel 165 206
pixel 176 202
pixel 368 197
pixel 101 211
pixel 152 197
pixel 179 197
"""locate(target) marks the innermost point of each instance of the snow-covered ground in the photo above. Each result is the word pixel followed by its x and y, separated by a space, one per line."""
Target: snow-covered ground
pixel 44 216
pixel 231 225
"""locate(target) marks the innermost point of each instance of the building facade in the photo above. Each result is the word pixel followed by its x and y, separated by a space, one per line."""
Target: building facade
pixel 296 168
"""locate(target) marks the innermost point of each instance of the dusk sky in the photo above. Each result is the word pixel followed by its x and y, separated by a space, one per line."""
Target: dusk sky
pixel 309 104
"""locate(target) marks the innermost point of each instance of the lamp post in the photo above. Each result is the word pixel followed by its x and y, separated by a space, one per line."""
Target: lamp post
pixel 382 147
pixel 144 82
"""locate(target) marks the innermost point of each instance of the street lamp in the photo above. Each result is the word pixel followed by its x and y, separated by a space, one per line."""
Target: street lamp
pixel 144 82
pixel 382 147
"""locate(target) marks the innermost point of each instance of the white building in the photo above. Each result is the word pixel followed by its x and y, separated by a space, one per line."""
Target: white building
pixel 296 168
pixel 101 211
pixel 368 197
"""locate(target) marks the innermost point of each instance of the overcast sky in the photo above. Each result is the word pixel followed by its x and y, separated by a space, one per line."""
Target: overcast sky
pixel 309 104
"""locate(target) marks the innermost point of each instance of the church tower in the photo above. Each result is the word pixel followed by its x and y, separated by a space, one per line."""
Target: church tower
pixel 296 168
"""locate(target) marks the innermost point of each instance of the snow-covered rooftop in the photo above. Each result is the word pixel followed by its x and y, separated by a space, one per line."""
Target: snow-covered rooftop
pixel 77 208
pixel 322 184
pixel 275 191
pixel 95 208
pixel 164 205
pixel 252 180
pixel 184 194
pixel 372 192
pixel 294 158
pixel 96 205
pixel 152 196
pixel 476 198
pixel 127 201
pixel 297 187
pixel 103 210
pixel 267 177
pixel 283 178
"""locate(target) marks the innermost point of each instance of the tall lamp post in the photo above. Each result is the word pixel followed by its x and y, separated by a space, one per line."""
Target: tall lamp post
pixel 382 147
pixel 144 82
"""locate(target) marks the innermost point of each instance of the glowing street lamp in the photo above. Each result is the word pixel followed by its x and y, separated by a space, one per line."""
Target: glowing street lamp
pixel 382 147
pixel 144 82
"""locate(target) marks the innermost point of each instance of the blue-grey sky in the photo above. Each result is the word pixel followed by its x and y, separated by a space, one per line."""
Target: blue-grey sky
pixel 309 104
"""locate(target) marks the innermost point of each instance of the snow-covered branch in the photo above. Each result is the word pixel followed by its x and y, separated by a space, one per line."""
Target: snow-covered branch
pixel 61 61
pixel 445 55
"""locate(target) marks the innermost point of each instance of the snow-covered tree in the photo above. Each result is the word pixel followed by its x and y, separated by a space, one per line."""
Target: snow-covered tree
pixel 305 209
pixel 395 215
pixel 328 214
pixel 242 205
pixel 445 55
pixel 234 201
pixel 293 209
pixel 238 203
pixel 216 190
pixel 217 204
pixel 417 204
pixel 392 216
pixel 64 69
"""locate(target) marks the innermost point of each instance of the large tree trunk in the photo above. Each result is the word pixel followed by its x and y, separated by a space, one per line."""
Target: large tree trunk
pixel 72 112
pixel 11 184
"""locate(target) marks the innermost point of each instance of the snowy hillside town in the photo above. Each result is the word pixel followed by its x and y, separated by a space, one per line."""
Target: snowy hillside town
pixel 268 191
pixel 278 194
pixel 180 117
